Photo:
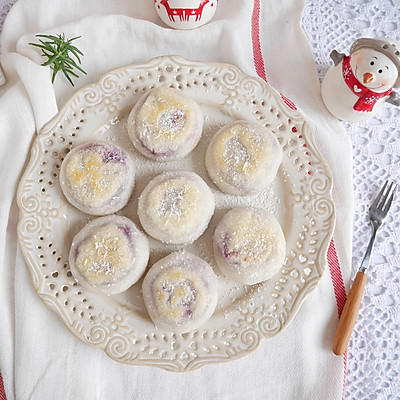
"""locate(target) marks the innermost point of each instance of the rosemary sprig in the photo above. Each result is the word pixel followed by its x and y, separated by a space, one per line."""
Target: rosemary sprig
pixel 60 52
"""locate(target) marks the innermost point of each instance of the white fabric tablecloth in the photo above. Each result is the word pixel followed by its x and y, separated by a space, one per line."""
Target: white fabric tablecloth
pixel 39 357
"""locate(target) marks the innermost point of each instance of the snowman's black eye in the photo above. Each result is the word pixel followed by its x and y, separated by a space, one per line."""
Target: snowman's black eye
pixel 371 63
pixel 380 71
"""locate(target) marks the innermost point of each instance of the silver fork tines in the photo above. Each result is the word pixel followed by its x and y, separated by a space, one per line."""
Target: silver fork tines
pixel 377 213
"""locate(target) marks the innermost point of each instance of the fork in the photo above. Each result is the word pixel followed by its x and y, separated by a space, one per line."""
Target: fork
pixel 377 213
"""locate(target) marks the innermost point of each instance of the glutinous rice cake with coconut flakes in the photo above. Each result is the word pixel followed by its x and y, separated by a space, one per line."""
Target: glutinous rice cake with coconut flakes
pixel 249 245
pixel 165 124
pixel 109 254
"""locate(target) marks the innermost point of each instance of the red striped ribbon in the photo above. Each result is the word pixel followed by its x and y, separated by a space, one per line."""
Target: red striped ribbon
pixel 2 391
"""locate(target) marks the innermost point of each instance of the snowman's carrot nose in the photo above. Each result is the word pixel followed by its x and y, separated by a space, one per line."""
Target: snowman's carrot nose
pixel 368 77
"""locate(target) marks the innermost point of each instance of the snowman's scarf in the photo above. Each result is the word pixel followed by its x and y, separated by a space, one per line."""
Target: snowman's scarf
pixel 367 98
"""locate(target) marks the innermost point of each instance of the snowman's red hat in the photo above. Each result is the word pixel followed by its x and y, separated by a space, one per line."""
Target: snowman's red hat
pixel 390 48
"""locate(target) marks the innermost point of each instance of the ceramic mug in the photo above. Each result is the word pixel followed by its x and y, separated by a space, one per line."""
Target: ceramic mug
pixel 185 14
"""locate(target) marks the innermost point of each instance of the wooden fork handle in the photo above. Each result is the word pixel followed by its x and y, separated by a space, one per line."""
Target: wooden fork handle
pixel 349 314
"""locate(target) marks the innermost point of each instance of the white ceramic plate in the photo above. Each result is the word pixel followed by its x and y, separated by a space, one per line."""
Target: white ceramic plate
pixel 300 197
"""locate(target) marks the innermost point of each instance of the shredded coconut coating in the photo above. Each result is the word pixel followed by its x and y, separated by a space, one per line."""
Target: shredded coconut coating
pixel 243 158
pixel 249 245
pixel 97 178
pixel 106 256
pixel 109 254
pixel 176 207
pixel 165 125
pixel 92 181
pixel 180 292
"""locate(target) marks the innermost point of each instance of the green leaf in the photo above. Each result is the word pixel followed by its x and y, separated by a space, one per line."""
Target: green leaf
pixel 58 52
pixel 74 38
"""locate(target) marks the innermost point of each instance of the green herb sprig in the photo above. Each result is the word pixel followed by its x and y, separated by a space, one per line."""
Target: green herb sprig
pixel 60 53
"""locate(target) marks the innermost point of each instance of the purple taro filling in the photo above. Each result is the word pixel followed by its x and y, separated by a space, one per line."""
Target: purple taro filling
pixel 223 246
pixel 108 153
pixel 76 252
pixel 229 254
pixel 113 155
pixel 126 230
pixel 130 234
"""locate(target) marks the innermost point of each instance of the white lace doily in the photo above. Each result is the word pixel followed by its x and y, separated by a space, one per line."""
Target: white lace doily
pixel 374 350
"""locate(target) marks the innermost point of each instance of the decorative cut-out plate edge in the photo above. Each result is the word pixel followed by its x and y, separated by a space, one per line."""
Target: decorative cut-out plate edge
pixel 126 334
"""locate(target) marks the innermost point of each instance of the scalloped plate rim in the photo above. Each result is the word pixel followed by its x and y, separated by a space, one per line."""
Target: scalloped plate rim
pixel 311 285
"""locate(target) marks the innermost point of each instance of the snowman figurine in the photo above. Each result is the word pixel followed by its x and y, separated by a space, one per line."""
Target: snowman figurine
pixel 358 85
